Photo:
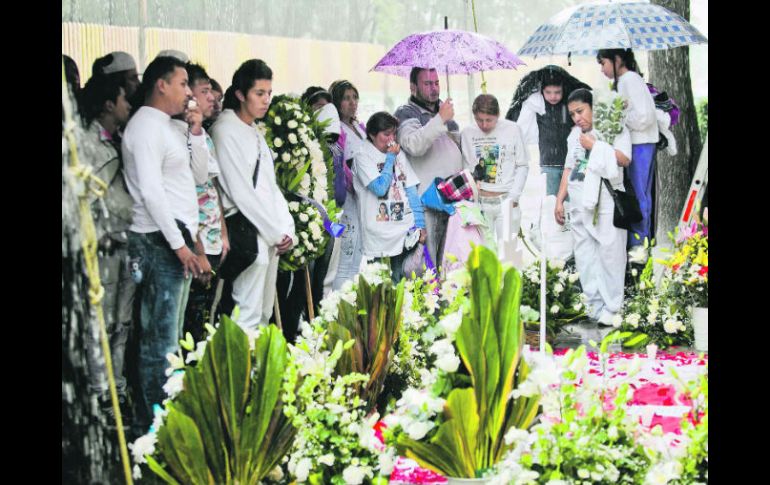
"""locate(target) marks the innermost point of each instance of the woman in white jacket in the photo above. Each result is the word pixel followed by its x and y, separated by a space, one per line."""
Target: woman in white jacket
pixel 620 66
pixel 600 247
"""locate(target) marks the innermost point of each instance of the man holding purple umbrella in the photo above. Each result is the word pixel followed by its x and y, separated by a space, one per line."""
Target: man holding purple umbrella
pixel 430 137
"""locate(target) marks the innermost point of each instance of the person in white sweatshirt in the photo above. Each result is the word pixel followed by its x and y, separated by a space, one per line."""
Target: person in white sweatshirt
pixel 250 188
pixel 600 247
pixel 494 151
pixel 164 221
pixel 642 122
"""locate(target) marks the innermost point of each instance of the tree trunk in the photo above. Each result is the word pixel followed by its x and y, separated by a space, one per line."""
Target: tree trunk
pixel 670 72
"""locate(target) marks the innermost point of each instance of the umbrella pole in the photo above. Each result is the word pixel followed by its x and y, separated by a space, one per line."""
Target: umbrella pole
pixel 476 28
pixel 446 27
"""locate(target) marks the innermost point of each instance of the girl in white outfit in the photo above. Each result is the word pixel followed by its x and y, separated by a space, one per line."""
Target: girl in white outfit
pixel 600 247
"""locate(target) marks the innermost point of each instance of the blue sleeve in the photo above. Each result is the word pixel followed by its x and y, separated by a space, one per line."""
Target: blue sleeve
pixel 381 184
pixel 417 209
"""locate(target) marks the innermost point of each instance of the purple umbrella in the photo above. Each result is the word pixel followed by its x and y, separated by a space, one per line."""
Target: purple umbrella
pixel 447 51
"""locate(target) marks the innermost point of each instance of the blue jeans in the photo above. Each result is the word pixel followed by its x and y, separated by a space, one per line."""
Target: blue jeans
pixel 641 173
pixel 553 179
pixel 163 296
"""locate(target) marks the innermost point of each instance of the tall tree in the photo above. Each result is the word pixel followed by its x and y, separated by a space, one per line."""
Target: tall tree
pixel 670 71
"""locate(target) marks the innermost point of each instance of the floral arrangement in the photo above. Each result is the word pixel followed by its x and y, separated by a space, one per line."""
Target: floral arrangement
pixel 339 364
pixel 586 435
pixel 303 166
pixel 222 400
pixel 459 407
pixel 564 298
pixel 688 267
pixel 654 313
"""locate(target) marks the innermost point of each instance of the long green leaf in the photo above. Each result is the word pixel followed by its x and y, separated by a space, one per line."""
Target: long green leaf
pixel 183 446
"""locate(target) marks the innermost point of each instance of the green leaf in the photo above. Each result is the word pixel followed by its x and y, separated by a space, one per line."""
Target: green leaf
pixel 185 456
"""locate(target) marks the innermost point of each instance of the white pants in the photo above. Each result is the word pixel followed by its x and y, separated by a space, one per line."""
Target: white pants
pixel 503 227
pixel 254 291
pixel 600 257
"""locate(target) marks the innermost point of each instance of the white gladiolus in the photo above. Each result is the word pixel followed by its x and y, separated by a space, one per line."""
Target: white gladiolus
pixel 144 445
pixel 305 182
pixel 451 322
pixel 174 384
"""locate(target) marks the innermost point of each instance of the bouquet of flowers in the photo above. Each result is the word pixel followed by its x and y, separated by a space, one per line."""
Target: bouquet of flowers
pixel 655 314
pixel 303 171
pixel 688 267
pixel 563 298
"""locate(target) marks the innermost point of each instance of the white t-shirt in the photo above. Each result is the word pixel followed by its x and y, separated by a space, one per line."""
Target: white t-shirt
pixel 500 152
pixel 577 161
pixel 158 175
pixel 385 220
pixel 352 141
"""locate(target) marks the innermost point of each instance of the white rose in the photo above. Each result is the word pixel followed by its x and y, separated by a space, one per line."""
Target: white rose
pixel 303 217
pixel 306 118
pixel 292 124
pixel 558 288
pixel 354 475
pixel 555 309
pixel 557 263
pixel 633 319
pixel 327 459
pixel 277 142
pixel 652 318
pixel 303 235
pixel 418 430
pixel 292 138
pixel 448 362
pixel 276 473
pixel 304 151
pixel 671 326
pixel 294 206
pixel 451 322
pixel 277 120
pixel 302 469
pixel 286 157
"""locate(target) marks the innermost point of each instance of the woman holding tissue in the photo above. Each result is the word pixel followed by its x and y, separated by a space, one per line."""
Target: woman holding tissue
pixel 600 247
pixel 494 151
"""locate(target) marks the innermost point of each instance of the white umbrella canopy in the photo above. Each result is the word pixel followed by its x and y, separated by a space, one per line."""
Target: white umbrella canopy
pixel 587 28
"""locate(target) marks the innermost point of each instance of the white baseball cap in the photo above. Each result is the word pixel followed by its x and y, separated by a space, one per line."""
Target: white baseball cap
pixel 121 61
pixel 174 53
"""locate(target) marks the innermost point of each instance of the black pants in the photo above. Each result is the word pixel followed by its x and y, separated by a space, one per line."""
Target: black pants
pixel 199 303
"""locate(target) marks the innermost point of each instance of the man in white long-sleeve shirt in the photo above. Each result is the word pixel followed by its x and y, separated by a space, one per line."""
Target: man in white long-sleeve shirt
pixel 165 221
pixel 430 138
pixel 241 151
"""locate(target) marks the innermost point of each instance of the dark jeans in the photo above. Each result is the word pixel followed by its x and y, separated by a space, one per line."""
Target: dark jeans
pixel 162 294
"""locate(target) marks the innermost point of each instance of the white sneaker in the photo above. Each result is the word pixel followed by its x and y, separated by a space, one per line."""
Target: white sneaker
pixel 606 319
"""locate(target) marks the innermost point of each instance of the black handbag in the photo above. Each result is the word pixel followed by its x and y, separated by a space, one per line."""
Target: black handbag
pixel 243 241
pixel 627 211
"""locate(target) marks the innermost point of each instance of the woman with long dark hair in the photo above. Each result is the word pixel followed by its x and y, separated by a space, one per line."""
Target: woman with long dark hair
pixel 621 66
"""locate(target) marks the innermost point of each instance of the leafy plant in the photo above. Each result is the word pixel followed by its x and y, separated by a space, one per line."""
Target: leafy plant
pixel 470 432
pixel 373 323
pixel 227 426
pixel 563 301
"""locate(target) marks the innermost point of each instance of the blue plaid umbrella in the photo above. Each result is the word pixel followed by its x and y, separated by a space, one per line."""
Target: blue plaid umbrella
pixel 587 28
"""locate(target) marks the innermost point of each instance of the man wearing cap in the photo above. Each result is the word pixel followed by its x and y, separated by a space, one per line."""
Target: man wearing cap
pixel 165 222
pixel 430 137
pixel 121 67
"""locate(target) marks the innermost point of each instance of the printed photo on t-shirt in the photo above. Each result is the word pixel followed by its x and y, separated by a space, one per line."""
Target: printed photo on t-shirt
pixel 397 211
pixel 383 212
pixel 488 161
pixel 581 163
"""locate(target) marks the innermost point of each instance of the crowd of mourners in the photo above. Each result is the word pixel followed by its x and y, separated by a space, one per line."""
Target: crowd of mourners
pixel 189 174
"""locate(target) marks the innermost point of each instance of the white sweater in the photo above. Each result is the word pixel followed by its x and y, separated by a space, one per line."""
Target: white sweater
pixel 159 177
pixel 640 116
pixel 238 145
